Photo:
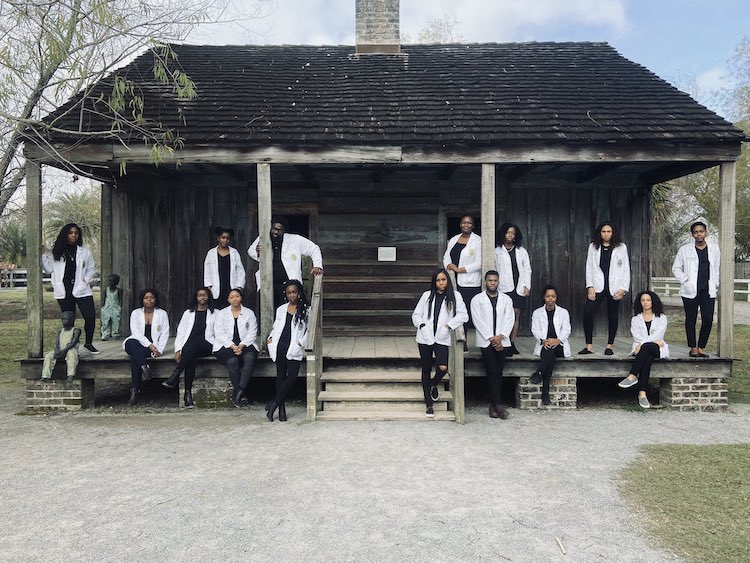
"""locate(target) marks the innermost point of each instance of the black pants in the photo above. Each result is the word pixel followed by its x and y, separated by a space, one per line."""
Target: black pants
pixel 494 362
pixel 642 365
pixel 426 352
pixel 589 310
pixel 139 355
pixel 240 367
pixel 88 312
pixel 706 304
pixel 547 364
pixel 287 372
pixel 191 351
pixel 467 294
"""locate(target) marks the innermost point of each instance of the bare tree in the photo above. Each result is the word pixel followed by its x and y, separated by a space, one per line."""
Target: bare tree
pixel 439 30
pixel 52 50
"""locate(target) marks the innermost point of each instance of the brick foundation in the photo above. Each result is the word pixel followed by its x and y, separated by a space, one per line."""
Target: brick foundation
pixel 209 393
pixel 57 395
pixel 562 393
pixel 694 393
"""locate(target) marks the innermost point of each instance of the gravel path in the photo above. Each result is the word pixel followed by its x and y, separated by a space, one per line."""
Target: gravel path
pixel 224 485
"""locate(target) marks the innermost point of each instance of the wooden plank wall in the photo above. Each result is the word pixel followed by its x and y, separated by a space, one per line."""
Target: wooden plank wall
pixel 161 230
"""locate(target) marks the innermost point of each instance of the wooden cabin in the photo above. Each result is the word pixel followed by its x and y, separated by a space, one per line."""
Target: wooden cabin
pixel 376 150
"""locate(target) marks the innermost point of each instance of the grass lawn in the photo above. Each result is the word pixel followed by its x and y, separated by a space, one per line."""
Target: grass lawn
pixel 694 499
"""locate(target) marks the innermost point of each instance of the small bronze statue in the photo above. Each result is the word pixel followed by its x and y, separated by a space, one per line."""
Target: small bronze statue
pixel 111 309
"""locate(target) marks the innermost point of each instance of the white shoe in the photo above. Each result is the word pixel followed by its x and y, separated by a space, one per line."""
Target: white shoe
pixel 627 383
pixel 643 401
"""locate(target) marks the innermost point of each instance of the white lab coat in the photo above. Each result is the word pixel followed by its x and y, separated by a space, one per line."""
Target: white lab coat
pixel 481 316
pixel 159 328
pixel 619 269
pixel 186 327
pixel 422 315
pixel 296 349
pixel 470 258
pixel 211 271
pixel 247 326
pixel 685 269
pixel 505 269
pixel 293 248
pixel 658 329
pixel 85 273
pixel 540 324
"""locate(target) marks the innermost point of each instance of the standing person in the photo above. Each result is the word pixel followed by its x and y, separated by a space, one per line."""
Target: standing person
pixel 463 255
pixel 235 344
pixel 514 267
pixel 286 344
pixel 111 310
pixel 288 250
pixel 195 336
pixel 222 268
pixel 493 316
pixel 439 311
pixel 550 325
pixel 607 278
pixel 66 348
pixel 72 267
pixel 149 331
pixel 648 327
pixel 696 266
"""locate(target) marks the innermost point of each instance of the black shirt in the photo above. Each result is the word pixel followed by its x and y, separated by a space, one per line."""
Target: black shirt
pixel 279 272
pixel 605 260
pixel 236 334
pixel 514 266
pixel 147 333
pixel 493 300
pixel 456 252
pixel 439 298
pixel 224 276
pixel 199 326
pixel 648 327
pixel 551 332
pixel 704 271
pixel 69 254
pixel 286 333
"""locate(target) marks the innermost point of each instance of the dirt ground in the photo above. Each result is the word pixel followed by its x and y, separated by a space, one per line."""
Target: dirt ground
pixel 230 486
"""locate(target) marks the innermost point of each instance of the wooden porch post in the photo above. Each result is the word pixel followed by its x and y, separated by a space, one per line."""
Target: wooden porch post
pixel 34 295
pixel 266 253
pixel 488 218
pixel 105 245
pixel 727 199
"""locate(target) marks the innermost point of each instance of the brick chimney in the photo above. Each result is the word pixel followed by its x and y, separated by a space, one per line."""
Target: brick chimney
pixel 378 26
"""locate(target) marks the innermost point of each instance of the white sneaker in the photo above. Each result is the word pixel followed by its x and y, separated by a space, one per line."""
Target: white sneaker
pixel 627 383
pixel 643 401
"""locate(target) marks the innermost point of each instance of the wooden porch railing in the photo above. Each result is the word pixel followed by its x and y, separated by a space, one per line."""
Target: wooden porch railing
pixel 456 368
pixel 314 348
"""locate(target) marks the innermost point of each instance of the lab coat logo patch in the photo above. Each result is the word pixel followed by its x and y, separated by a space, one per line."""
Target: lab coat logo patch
pixel 158 328
pixel 293 257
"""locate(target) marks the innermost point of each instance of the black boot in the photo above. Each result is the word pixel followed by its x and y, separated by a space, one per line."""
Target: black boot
pixel 189 399
pixel 133 397
pixel 270 409
pixel 173 381
pixel 282 412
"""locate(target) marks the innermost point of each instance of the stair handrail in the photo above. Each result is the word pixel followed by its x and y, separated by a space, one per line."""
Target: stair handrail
pixel 314 348
pixel 456 366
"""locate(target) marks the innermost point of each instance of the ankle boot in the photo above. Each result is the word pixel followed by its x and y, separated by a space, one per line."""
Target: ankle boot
pixel 133 397
pixel 270 409
pixel 282 412
pixel 173 381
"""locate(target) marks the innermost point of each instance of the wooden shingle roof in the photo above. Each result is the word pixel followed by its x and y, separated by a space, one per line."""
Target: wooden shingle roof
pixel 429 95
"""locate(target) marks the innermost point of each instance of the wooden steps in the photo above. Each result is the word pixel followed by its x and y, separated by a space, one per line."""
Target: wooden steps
pixel 379 394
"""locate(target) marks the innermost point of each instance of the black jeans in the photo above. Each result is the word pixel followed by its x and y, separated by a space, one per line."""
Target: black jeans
pixel 240 367
pixel 88 312
pixel 642 365
pixel 467 294
pixel 139 355
pixel 706 304
pixel 287 372
pixel 191 351
pixel 589 310
pixel 426 352
pixel 494 362
pixel 547 364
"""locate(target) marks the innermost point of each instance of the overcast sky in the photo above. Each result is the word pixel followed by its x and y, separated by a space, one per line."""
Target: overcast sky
pixel 683 41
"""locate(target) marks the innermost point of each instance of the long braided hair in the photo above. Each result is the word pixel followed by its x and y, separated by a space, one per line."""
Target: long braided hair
pixel 303 305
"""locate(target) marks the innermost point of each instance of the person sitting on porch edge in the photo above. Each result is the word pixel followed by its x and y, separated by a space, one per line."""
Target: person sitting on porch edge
pixel 550 325
pixel 66 347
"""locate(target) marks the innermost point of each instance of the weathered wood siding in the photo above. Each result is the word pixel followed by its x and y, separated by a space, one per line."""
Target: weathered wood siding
pixel 162 230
